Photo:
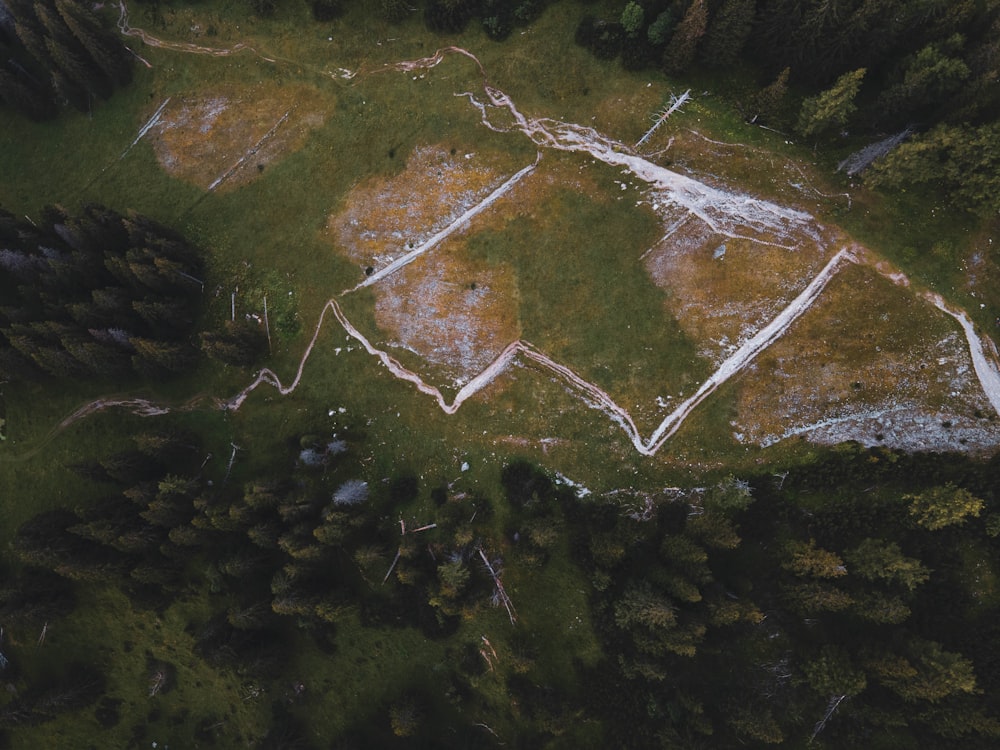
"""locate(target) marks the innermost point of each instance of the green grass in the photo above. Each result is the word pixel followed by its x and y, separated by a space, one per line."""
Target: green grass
pixel 583 299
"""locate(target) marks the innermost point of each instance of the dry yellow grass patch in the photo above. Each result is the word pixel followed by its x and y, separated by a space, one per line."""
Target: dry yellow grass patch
pixel 450 310
pixel 869 361
pixel 387 217
pixel 723 290
pixel 223 139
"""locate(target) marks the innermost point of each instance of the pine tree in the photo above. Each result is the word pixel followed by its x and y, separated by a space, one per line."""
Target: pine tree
pixel 832 108
pixel 34 101
pixel 926 673
pixel 879 560
pixel 155 358
pixel 963 163
pixel 106 50
pixel 833 672
pixel 728 33
pixel 241 343
pixel 930 77
pixel 684 43
pixel 765 104
pixel 69 55
pixel 938 507
pixel 809 561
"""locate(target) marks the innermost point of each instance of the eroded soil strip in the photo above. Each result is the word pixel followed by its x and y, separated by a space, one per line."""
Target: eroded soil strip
pixel 750 349
pixel 718 209
pixel 127 29
pixel 596 397
pixel 150 123
pixel 457 224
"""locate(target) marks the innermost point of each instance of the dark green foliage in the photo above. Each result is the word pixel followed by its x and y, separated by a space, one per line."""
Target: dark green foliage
pixel 830 110
pixel 728 32
pixel 32 598
pixel 78 686
pixel 59 51
pixel 765 105
pixel 833 597
pixel 864 609
pixel 448 15
pixel 961 162
pixel 683 45
pixel 326 10
pixel 602 38
pixel 240 342
pixel 99 294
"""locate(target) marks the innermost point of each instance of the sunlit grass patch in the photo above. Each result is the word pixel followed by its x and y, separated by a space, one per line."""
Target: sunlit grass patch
pixel 723 290
pixel 384 218
pixel 871 362
pixel 225 137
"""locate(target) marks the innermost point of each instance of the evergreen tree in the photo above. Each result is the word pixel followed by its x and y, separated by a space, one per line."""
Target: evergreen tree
pixel 879 560
pixel 69 55
pixel 34 101
pixel 833 672
pixel 240 343
pixel 765 104
pixel 632 18
pixel 684 43
pixel 938 507
pixel 832 108
pixel 728 33
pixel 962 163
pixel 930 77
pixel 926 673
pixel 104 48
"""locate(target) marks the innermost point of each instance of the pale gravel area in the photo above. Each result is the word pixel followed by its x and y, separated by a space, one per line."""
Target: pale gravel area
pixel 732 215
pixel 725 213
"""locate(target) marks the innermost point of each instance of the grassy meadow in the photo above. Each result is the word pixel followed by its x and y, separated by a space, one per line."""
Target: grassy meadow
pixel 582 296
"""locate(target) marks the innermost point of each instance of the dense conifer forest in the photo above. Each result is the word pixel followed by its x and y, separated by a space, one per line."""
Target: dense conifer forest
pixel 99 294
pixel 774 610
pixel 846 597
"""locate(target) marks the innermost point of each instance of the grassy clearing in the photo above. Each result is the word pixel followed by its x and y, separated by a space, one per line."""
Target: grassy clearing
pixel 564 247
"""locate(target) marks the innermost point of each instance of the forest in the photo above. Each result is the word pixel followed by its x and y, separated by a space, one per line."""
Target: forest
pixel 190 576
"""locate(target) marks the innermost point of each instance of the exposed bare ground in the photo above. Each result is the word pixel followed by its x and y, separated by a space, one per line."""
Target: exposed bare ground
pixel 767 241
pixel 821 359
pixel 721 290
pixel 450 310
pixel 223 139
pixel 386 218
pixel 870 362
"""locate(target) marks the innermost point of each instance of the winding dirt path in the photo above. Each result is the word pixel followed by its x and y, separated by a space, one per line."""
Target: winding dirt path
pixel 590 393
pixel 721 210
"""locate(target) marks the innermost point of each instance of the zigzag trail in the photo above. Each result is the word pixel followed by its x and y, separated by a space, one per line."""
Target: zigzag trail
pixel 720 210
pixel 594 396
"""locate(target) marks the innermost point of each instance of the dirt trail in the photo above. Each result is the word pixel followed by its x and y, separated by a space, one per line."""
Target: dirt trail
pixel 449 230
pixel 724 212
pixel 593 395
pixel 126 29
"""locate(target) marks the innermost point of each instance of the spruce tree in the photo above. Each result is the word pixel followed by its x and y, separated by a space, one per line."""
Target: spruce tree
pixel 728 33
pixel 105 49
pixel 831 109
pixel 680 53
